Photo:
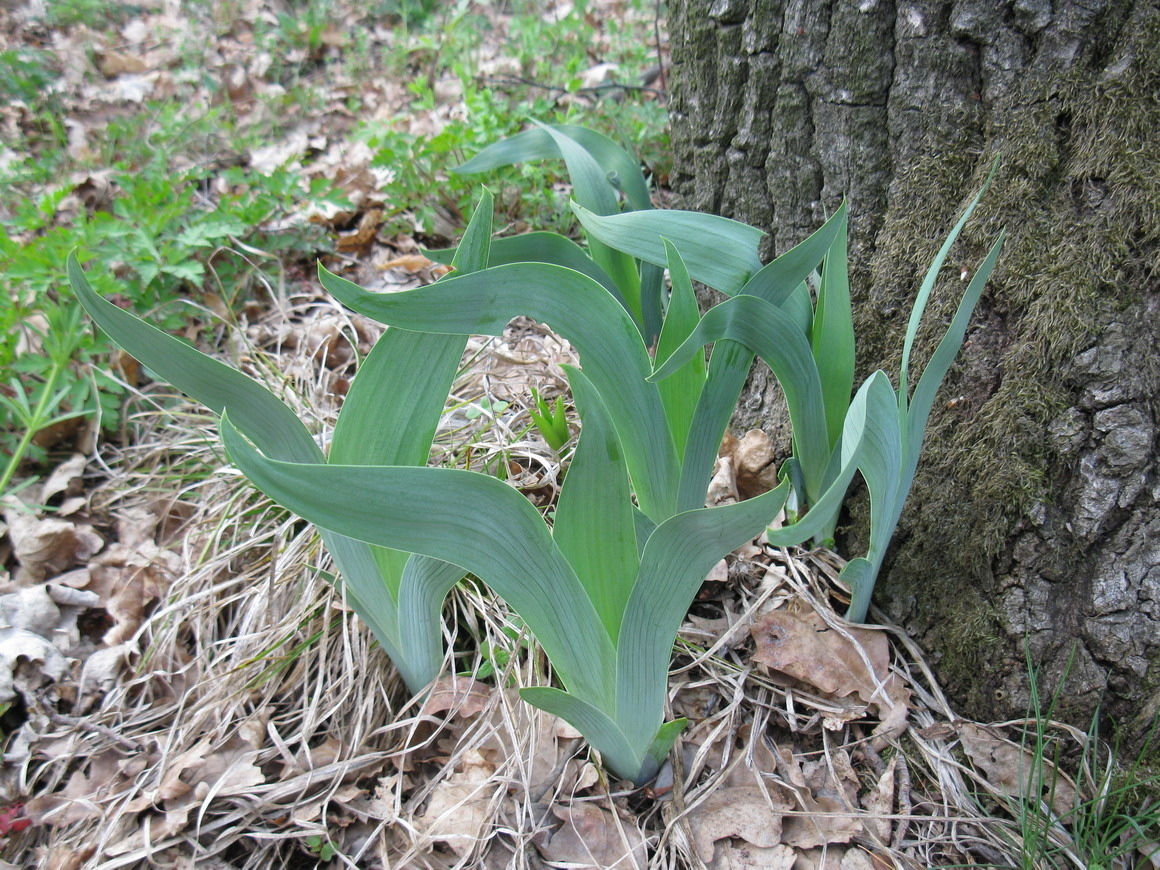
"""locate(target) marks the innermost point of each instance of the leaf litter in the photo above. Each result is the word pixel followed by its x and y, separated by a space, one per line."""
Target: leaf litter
pixel 184 687
pixel 200 692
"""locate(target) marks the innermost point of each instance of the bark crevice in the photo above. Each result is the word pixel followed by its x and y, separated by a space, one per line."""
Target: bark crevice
pixel 1037 501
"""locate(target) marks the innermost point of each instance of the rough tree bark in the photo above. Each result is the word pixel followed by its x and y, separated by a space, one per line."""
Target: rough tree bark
pixel 1035 513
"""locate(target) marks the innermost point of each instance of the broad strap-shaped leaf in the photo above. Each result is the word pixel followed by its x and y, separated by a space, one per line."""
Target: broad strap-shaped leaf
pixel 680 391
pixel 849 453
pixel 621 169
pixel 590 183
pixel 781 283
pixel 271 425
pixel 260 414
pixel 610 347
pixel 832 336
pixel 728 368
pixel 598 729
pixel 474 249
pixel 778 280
pixel 390 419
pixel 927 286
pixel 678 555
pixel 652 291
pixel 658 750
pixel 468 519
pixel 594 526
pixel 767 330
pixel 592 189
pixel 422 590
pixel 717 251
pixel 880 461
pixel 540 248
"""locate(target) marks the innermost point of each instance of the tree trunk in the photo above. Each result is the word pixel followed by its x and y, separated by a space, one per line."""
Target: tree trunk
pixel 1034 517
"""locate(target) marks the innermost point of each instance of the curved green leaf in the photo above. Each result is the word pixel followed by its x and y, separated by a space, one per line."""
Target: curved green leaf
pixel 621 169
pixel 678 555
pixel 423 588
pixel 729 366
pixel 610 347
pixel 769 332
pixel 681 391
pixel 593 191
pixel 880 461
pixel 540 248
pixel 594 526
pixel 832 337
pixel 260 414
pixel 940 362
pixel 470 520
pixel 596 726
pixel 927 286
pixel 279 433
pixel 717 251
pixel 778 280
pixel 387 419
pixel 819 516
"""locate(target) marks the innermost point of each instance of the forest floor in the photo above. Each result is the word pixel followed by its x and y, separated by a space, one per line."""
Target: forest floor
pixel 181 686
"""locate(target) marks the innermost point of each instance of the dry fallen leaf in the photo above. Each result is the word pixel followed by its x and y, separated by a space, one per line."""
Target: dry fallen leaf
pixel 101 778
pixel 734 855
pixel 128 581
pixel 879 802
pixel 723 485
pixel 47 547
pixel 459 808
pixel 825 819
pixel 26 660
pixel 591 836
pixel 802 646
pixel 65 480
pixel 115 63
pixel 753 461
pixel 464 696
pixel 738 811
pixel 1012 769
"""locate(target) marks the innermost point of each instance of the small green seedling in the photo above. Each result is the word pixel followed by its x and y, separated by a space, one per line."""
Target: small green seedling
pixel 320 848
pixel 550 421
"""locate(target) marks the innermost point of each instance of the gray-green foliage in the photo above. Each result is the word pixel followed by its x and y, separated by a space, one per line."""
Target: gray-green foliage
pixel 604 588
pixel 386 419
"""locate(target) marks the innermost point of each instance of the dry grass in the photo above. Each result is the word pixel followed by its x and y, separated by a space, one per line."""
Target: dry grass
pixel 257 713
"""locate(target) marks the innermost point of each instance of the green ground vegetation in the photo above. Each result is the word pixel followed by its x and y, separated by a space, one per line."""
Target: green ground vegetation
pixel 163 187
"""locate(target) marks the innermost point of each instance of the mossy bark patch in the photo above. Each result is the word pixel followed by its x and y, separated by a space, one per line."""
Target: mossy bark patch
pixel 1035 508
